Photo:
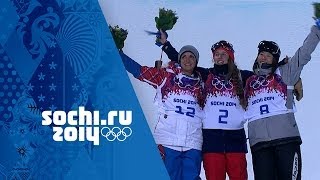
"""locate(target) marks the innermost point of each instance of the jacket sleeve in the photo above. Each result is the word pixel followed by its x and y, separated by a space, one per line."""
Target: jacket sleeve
pixel 131 66
pixel 204 72
pixel 291 71
pixel 171 52
pixel 150 75
pixel 245 74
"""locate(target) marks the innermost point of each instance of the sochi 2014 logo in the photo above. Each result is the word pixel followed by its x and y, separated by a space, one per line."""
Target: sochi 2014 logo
pixel 83 125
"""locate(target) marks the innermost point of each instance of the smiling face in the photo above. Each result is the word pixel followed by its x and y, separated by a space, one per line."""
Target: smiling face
pixel 220 57
pixel 265 57
pixel 188 63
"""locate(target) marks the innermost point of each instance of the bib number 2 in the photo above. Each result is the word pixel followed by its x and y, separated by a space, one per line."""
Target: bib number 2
pixel 224 114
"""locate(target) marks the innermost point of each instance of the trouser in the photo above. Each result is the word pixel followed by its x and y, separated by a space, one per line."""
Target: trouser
pixel 281 162
pixel 216 165
pixel 182 165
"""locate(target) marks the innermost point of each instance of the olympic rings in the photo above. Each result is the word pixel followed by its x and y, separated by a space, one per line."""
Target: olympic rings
pixel 221 84
pixel 116 133
pixel 260 81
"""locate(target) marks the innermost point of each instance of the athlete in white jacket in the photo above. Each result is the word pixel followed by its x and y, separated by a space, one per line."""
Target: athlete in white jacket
pixel 178 131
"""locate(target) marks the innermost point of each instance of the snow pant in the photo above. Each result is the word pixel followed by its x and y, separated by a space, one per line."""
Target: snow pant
pixel 217 165
pixel 280 162
pixel 182 165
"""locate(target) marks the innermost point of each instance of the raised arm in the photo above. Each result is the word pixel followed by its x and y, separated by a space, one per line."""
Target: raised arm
pixel 291 71
pixel 131 66
pixel 150 75
pixel 171 52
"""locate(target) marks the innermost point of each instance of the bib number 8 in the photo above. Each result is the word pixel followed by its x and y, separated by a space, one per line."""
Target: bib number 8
pixel 264 109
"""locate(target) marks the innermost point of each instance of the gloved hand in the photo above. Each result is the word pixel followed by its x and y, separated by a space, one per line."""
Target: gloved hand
pixel 318 22
pixel 298 90
pixel 316 8
pixel 161 37
pixel 284 61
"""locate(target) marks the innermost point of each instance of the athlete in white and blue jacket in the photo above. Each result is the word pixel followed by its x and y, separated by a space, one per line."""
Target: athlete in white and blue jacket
pixel 178 130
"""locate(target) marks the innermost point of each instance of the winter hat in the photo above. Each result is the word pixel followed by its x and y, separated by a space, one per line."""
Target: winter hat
pixel 188 48
pixel 270 47
pixel 225 45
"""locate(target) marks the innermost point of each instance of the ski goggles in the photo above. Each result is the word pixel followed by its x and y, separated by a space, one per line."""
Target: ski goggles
pixel 184 81
pixel 222 44
pixel 269 46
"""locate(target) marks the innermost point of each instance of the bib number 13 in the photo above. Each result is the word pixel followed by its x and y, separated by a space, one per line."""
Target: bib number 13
pixel 223 115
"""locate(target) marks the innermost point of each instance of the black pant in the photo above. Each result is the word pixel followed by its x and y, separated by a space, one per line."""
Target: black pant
pixel 281 162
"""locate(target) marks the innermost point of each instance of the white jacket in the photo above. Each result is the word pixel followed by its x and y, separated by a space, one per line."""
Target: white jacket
pixel 176 131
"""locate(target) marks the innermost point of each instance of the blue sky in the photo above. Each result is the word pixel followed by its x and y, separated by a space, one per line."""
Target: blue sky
pixel 244 24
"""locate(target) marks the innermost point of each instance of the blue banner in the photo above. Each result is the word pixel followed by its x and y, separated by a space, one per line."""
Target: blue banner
pixel 58 58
